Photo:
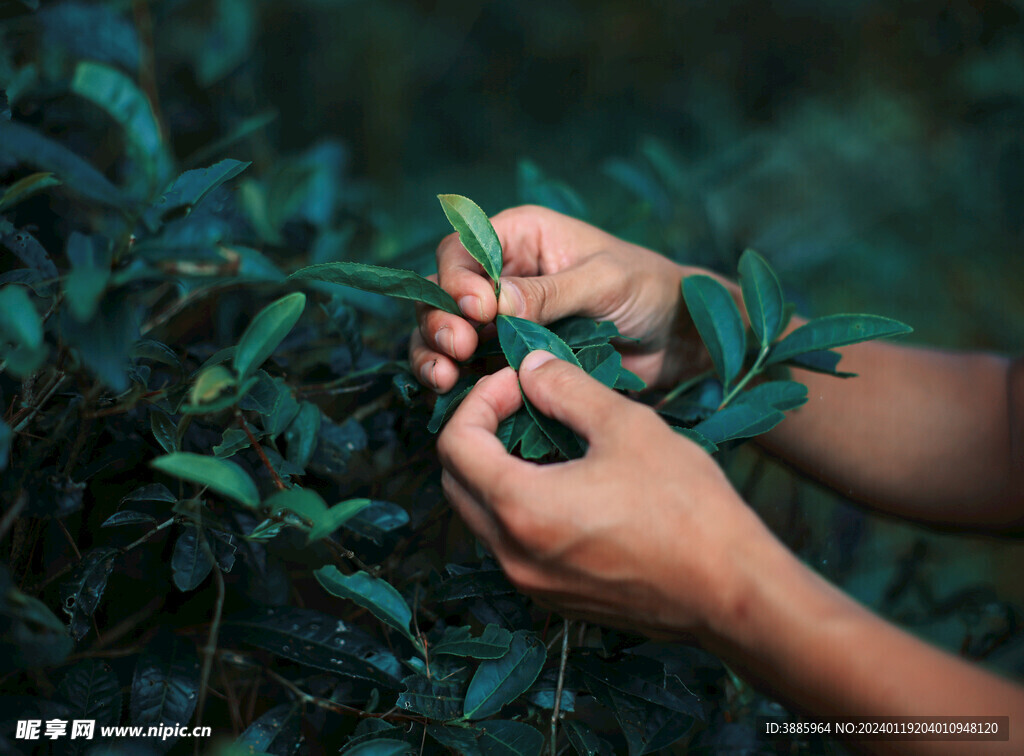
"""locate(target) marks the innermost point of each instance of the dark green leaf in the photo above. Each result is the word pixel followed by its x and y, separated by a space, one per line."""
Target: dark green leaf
pixel 166 682
pixel 6 435
pixel 80 595
pixel 164 430
pixel 583 332
pixel 475 232
pixel 824 361
pixel 117 94
pixel 312 639
pixel 21 144
pixel 762 296
pixel 564 439
pixel 460 740
pixel 275 731
pixel 392 282
pixel 782 395
pixel 222 476
pixel 519 337
pixel 380 747
pixel 383 601
pixel 718 322
pixel 584 740
pixel 24 188
pixel 90 259
pixel 21 331
pixel 190 562
pixel 93 692
pixel 191 187
pixel 232 442
pixel 304 502
pixel 653 708
pixel 472 584
pixel 834 331
pixel 698 438
pixel 301 434
pixel 604 364
pixel 246 127
pixel 433 697
pixel 127 517
pixel 373 729
pixel 501 681
pixel 151 492
pixel 458 641
pixel 377 520
pixel 446 404
pixel 744 420
pixel 266 331
pixel 503 738
pixel 33 637
pixel 27 249
pixel 105 342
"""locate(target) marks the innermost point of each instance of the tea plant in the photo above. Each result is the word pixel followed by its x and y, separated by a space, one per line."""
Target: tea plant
pixel 220 497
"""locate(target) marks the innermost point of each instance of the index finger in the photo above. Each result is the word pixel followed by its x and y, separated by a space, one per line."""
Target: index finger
pixel 464 278
pixel 468 446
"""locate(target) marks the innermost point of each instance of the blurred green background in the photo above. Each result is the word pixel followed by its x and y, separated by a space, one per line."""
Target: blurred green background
pixel 872 151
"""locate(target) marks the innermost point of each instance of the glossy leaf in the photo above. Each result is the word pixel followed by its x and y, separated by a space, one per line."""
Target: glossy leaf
pixel 163 430
pixel 433 697
pixel 499 681
pixel 277 730
pixel 128 517
pixel 118 94
pixel 80 595
pixel 475 232
pixel 505 738
pixel 374 594
pixel 583 739
pixel 519 337
pixel 266 331
pixel 151 492
pixel 93 692
pixel 718 322
pixel 224 477
pixel 392 282
pixel 459 641
pixel 446 404
pixel 460 740
pixel 743 420
pixel 166 683
pixel 762 296
pixel 377 520
pixel 834 331
pixel 304 502
pixel 191 187
pixel 563 438
pixel 19 143
pixel 190 562
pixel 301 434
pixel 782 395
pixel 24 188
pixel 312 639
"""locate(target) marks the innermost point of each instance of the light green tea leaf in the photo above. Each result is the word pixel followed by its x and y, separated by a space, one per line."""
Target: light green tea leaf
pixel 475 232
pixel 337 516
pixel 391 282
pixel 222 476
pixel 266 331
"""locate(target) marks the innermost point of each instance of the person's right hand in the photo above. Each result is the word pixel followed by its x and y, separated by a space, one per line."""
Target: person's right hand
pixel 557 266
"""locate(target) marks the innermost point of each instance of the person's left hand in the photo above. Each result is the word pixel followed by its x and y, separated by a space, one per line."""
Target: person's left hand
pixel 640 533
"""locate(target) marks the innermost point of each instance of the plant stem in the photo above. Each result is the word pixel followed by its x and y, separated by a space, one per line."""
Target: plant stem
pixel 754 370
pixel 259 451
pixel 558 687
pixel 211 639
pixel 683 387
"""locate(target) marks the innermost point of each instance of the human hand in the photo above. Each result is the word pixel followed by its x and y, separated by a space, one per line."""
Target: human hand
pixel 557 266
pixel 643 532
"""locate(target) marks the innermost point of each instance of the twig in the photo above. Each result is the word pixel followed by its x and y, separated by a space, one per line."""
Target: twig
pixel 145 537
pixel 39 405
pixel 259 451
pixel 211 639
pixel 558 687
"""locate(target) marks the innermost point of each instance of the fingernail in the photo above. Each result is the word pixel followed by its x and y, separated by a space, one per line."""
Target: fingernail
pixel 472 307
pixel 511 301
pixel 445 339
pixel 535 359
pixel 427 373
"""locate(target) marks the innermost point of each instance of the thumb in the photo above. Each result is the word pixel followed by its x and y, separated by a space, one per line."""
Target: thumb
pixel 547 298
pixel 565 392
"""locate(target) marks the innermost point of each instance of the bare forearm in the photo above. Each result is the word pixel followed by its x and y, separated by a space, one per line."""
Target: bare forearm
pixel 921 433
pixel 825 655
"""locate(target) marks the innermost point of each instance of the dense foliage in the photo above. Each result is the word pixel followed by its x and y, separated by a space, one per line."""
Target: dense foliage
pixel 198 455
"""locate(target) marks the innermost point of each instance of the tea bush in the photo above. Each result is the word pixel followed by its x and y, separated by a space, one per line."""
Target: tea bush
pixel 207 442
